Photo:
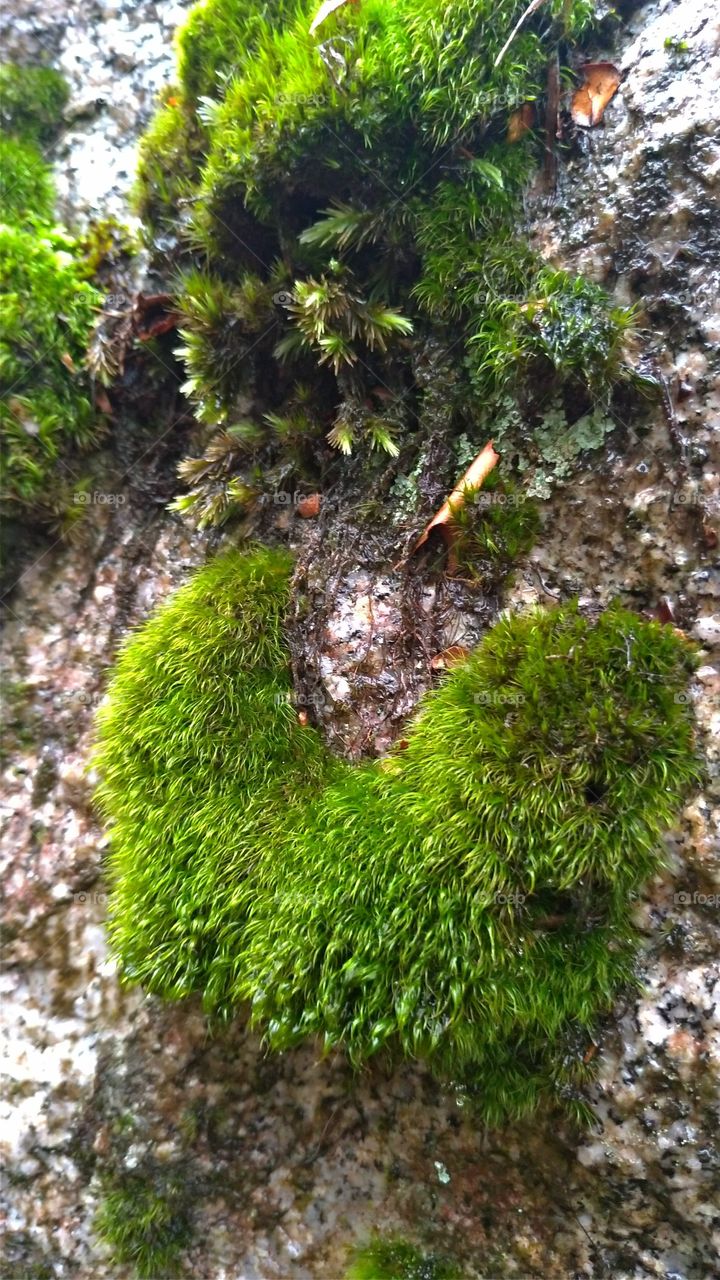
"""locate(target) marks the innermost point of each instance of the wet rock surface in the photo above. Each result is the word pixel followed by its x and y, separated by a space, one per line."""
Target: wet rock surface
pixel 115 57
pixel 288 1160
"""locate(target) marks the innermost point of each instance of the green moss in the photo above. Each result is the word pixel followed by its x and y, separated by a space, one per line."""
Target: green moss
pixel 26 190
pixel 361 178
pixel 199 744
pixel 47 310
pixel 145 1224
pixel 495 527
pixel 467 901
pixel 398 1260
pixel 169 162
pixel 32 100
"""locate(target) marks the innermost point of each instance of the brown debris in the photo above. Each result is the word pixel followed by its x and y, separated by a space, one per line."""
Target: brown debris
pixel 469 483
pixel 599 86
pixel 520 122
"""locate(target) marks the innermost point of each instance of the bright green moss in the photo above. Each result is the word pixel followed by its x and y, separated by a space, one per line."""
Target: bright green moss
pixel 32 100
pixel 467 901
pixel 26 190
pixel 199 745
pixel 47 308
pixel 218 37
pixel 146 1226
pixel 398 1260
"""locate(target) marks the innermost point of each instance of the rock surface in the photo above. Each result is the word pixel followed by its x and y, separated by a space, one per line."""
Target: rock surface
pixel 287 1161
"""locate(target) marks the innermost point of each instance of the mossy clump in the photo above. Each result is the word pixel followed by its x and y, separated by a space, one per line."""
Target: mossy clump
pixel 359 179
pixel 393 1259
pixel 32 100
pixel 146 1224
pixel 467 901
pixel 47 310
pixel 199 745
pixel 26 190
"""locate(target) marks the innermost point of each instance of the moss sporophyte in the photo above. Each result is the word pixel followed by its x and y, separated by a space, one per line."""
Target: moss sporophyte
pixel 466 901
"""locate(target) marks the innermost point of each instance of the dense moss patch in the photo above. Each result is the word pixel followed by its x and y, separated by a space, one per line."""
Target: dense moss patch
pixel 47 310
pixel 32 100
pixel 199 746
pixel 467 901
pixel 358 182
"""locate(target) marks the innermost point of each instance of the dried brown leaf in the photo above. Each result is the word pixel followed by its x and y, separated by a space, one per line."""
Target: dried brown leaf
pixel 599 86
pixel 469 483
pixel 520 122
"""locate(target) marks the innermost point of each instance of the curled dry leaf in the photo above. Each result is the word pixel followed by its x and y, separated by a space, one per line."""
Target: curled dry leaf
pixel 520 122
pixel 468 484
pixel 303 719
pixel 449 657
pixel 599 86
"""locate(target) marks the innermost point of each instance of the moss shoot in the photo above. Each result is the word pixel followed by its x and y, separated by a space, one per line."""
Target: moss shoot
pixel 467 901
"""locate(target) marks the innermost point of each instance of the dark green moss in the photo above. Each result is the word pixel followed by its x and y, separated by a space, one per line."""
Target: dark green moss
pixel 32 100
pixel 467 901
pixel 145 1223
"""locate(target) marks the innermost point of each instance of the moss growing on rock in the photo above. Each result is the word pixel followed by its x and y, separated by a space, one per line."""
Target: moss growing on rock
pixel 32 100
pixel 145 1224
pixel 47 310
pixel 199 744
pixel 361 177
pixel 46 314
pixel 398 1260
pixel 467 901
pixel 26 191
